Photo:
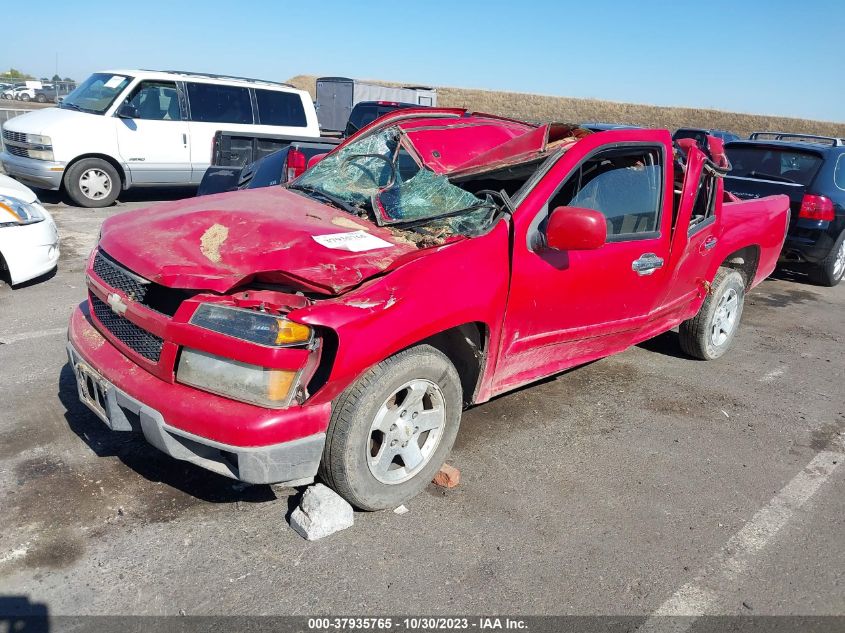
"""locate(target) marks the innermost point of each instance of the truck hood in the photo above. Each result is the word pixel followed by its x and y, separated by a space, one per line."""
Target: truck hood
pixel 219 242
pixel 45 120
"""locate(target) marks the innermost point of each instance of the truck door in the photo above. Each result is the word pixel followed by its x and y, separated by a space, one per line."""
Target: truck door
pixel 567 308
pixel 696 233
pixel 155 143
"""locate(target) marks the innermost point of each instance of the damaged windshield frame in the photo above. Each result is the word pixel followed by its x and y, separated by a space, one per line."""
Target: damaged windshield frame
pixel 371 203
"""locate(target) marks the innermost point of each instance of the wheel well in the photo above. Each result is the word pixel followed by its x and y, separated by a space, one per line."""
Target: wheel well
pixel 466 347
pixel 114 163
pixel 5 273
pixel 745 261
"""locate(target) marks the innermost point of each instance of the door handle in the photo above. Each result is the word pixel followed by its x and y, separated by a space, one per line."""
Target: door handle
pixel 709 243
pixel 185 140
pixel 647 264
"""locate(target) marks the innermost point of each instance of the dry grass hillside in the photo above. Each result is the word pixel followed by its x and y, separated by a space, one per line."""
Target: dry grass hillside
pixel 540 108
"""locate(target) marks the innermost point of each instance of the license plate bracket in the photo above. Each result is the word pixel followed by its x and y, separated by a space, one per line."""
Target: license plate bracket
pixel 93 390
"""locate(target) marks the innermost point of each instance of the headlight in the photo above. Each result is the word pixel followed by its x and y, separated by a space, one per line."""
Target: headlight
pixel 18 211
pixel 40 154
pixel 251 325
pixel 37 139
pixel 271 388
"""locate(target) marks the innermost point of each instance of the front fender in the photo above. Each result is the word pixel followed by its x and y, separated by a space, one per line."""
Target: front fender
pixel 454 284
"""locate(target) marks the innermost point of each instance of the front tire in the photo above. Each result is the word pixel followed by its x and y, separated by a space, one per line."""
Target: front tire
pixel 709 334
pixel 392 429
pixel 831 270
pixel 41 99
pixel 92 183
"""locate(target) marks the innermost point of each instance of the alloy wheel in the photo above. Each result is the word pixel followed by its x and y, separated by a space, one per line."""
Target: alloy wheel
pixel 724 320
pixel 406 431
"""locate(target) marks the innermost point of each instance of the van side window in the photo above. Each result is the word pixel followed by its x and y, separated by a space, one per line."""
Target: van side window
pixel 624 184
pixel 280 108
pixel 156 101
pixel 213 103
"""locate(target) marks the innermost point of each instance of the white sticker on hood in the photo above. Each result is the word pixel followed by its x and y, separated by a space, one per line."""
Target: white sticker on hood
pixel 356 241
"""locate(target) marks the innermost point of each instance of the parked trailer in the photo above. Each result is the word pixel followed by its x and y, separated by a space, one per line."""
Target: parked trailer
pixel 336 96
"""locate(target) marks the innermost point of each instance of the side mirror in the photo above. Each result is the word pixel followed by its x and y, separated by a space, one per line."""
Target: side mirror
pixel 575 229
pixel 128 111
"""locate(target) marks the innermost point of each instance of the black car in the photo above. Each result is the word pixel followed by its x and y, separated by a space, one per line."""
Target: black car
pixel 273 169
pixel 365 112
pixel 699 134
pixel 811 171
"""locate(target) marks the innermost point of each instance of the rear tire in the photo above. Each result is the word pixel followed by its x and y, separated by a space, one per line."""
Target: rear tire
pixel 831 270
pixel 92 183
pixel 709 334
pixel 41 99
pixel 391 430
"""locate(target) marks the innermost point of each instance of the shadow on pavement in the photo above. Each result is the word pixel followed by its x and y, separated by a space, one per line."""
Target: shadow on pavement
pixel 138 194
pixel 666 344
pixel 134 451
pixel 19 614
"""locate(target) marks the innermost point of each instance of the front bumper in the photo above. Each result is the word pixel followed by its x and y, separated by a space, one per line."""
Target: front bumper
pixel 36 173
pixel 135 400
pixel 30 250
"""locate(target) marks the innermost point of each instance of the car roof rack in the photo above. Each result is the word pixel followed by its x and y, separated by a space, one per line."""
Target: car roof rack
pixel 188 73
pixel 784 136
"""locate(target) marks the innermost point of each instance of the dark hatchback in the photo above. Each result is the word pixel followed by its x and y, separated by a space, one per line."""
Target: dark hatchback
pixel 811 171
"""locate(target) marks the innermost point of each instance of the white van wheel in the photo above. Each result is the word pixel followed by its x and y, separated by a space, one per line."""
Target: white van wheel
pixel 92 182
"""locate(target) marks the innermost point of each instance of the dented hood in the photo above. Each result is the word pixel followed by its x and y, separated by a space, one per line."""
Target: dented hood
pixel 219 242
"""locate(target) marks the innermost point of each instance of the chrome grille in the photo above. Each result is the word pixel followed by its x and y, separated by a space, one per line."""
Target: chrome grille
pixel 17 151
pixel 134 337
pixel 17 137
pixel 116 276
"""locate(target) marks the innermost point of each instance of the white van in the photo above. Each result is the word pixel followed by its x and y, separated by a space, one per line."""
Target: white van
pixel 130 128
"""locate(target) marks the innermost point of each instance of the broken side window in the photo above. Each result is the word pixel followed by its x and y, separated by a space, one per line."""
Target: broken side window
pixel 705 199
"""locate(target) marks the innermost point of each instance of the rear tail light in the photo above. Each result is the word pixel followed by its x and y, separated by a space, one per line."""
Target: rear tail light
pixel 816 208
pixel 295 164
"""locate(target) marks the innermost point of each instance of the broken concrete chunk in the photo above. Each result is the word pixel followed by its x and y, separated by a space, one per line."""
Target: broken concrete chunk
pixel 400 510
pixel 447 477
pixel 320 513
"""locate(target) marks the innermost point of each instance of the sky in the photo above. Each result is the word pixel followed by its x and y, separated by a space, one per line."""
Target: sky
pixel 782 57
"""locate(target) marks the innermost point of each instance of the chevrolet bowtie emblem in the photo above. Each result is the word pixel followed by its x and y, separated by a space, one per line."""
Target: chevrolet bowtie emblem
pixel 116 304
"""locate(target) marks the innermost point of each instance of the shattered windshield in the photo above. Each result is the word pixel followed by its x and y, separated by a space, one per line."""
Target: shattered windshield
pixel 377 177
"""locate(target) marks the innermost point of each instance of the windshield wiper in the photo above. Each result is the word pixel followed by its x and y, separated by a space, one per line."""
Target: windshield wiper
pixel 65 104
pixel 338 202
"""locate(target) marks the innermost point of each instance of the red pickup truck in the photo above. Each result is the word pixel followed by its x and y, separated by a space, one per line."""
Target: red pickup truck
pixel 339 325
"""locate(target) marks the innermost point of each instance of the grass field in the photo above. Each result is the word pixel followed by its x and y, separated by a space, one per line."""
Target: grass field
pixel 541 108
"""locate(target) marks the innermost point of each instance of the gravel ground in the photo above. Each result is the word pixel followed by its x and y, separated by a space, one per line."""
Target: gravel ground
pixel 622 487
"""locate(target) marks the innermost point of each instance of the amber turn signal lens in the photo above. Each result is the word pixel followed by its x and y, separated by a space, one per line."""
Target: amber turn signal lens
pixel 290 332
pixel 279 383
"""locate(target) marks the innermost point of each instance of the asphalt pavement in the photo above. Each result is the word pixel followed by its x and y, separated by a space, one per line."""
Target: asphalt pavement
pixel 639 484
